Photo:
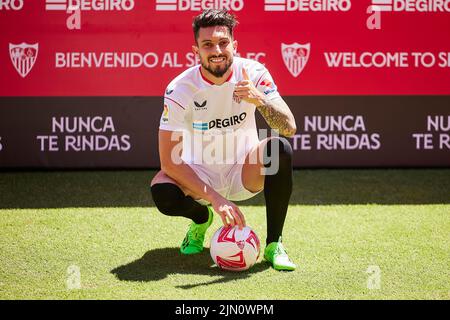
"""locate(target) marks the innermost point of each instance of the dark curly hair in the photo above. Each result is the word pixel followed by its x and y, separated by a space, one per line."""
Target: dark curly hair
pixel 212 18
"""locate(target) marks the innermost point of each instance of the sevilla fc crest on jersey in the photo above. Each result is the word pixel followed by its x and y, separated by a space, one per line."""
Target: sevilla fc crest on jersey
pixel 295 57
pixel 23 57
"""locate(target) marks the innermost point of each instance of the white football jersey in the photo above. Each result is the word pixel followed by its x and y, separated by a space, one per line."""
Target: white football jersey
pixel 218 129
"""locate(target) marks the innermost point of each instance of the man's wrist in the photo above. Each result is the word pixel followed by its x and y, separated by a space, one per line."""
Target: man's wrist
pixel 260 101
pixel 213 196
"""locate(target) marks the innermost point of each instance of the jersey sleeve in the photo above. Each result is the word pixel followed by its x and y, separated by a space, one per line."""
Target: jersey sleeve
pixel 174 112
pixel 265 83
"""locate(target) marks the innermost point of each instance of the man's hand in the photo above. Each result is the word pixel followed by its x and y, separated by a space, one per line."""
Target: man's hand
pixel 276 112
pixel 247 91
pixel 229 212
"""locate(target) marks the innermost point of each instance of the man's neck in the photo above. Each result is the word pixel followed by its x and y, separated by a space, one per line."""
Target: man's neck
pixel 215 80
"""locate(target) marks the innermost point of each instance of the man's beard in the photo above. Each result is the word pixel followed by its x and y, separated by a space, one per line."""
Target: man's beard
pixel 218 72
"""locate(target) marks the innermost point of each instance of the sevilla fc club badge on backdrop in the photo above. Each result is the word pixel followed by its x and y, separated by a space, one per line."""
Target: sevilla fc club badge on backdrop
pixel 23 57
pixel 295 57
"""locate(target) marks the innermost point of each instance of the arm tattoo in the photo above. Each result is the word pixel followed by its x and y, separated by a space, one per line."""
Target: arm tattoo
pixel 278 116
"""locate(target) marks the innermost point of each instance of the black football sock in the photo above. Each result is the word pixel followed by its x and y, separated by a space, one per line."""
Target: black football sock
pixel 171 201
pixel 277 187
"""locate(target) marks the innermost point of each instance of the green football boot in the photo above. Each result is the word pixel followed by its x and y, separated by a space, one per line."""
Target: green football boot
pixel 277 255
pixel 193 242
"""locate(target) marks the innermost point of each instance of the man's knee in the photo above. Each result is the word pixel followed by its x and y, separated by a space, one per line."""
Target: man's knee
pixel 167 197
pixel 279 146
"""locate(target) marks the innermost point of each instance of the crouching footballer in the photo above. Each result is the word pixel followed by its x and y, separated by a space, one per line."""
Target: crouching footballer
pixel 209 147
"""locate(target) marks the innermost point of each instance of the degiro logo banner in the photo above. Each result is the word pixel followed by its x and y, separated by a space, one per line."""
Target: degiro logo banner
pixel 393 7
pixel 88 5
pixel 75 7
pixel 411 5
pixel 198 5
pixel 307 5
pixel 14 5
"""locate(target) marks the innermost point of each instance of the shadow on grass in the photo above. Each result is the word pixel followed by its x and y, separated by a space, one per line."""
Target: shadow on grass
pixel 63 189
pixel 157 264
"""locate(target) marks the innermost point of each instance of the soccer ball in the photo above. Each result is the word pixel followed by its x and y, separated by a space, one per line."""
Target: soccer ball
pixel 234 249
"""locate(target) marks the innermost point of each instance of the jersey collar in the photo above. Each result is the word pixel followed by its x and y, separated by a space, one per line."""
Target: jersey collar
pixel 212 83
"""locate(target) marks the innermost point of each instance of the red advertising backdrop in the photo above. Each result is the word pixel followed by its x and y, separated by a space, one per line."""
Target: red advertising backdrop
pixel 135 47
pixel 378 70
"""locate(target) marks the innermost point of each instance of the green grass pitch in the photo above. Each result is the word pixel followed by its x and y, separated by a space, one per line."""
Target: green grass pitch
pixel 355 234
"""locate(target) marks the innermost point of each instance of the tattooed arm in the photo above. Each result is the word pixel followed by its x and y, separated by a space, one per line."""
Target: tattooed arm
pixel 278 116
pixel 276 112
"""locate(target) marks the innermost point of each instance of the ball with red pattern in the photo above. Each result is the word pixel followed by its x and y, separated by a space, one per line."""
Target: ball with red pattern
pixel 233 249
